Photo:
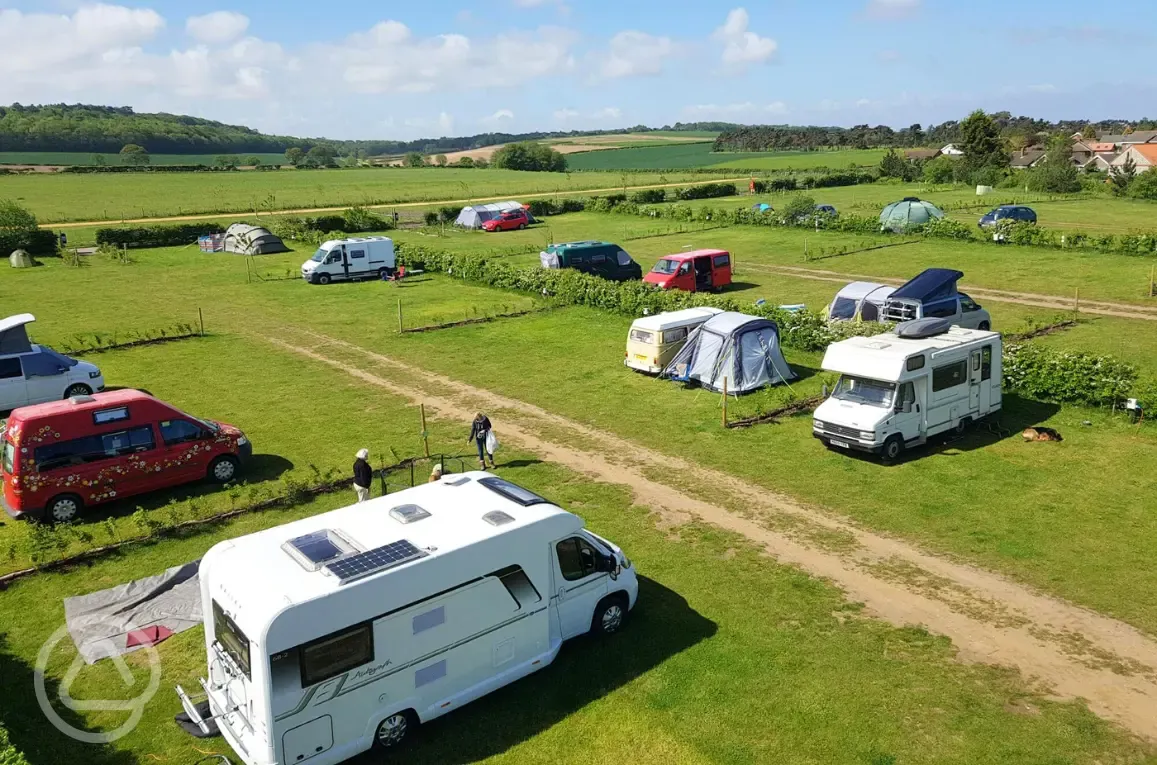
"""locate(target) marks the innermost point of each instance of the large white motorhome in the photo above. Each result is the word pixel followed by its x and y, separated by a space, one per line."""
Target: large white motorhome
pixel 363 257
pixel 341 632
pixel 898 389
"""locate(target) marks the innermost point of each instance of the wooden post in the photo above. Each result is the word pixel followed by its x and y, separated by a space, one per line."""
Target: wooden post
pixel 805 258
pixel 1077 301
pixel 201 320
pixel 400 317
pixel 724 402
pixel 1152 274
pixel 425 441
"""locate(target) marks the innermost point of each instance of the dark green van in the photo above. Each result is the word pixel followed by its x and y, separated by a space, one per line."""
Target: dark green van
pixel 610 261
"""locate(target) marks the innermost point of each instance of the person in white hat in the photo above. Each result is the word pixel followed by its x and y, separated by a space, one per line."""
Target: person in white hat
pixel 436 473
pixel 363 475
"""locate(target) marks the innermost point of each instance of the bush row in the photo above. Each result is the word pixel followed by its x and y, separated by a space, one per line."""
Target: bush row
pixel 34 241
pixel 149 169
pixel 1067 377
pixel 318 229
pixel 155 236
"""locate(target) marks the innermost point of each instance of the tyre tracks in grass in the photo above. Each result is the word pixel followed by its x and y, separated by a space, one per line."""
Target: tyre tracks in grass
pixel 1098 307
pixel 1064 650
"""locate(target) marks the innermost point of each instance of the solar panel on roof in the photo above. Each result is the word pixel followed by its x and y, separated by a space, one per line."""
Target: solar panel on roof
pixel 372 561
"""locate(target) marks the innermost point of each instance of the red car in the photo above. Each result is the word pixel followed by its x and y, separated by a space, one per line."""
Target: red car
pixel 508 221
pixel 694 271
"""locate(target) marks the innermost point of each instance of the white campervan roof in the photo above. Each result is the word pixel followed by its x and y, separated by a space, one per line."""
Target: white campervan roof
pixel 671 319
pixel 262 577
pixel 882 357
pixel 330 243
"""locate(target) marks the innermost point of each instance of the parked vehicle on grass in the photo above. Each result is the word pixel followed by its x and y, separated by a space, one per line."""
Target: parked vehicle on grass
pixel 654 340
pixel 898 389
pixel 692 271
pixel 1015 213
pixel 33 374
pixel 62 457
pixel 932 294
pixel 370 257
pixel 508 221
pixel 604 259
pixel 343 631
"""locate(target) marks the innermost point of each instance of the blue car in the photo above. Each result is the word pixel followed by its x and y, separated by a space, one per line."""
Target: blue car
pixel 1017 213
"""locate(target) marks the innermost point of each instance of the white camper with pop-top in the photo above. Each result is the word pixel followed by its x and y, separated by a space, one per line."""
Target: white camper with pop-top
pixel 341 632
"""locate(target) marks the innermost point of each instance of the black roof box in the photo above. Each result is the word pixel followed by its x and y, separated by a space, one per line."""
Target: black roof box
pixel 921 328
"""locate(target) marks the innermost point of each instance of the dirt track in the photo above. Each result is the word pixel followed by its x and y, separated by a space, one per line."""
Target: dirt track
pixel 1098 307
pixel 391 205
pixel 1070 651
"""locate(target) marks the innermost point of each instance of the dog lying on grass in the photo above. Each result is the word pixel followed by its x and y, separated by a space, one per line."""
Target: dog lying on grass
pixel 1041 434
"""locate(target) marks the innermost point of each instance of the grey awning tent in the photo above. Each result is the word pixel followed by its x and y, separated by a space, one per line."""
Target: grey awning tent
pixel 907 214
pixel 243 239
pixel 476 215
pixel 742 349
pixel 859 300
pixel 14 334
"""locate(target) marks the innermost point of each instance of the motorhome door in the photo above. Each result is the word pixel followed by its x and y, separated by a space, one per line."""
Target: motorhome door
pixel 909 419
pixel 579 585
pixel 974 375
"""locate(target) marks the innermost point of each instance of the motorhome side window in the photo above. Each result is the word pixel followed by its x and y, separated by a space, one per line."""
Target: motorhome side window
pixel 179 432
pixel 986 363
pixel 334 257
pixel 907 396
pixel 722 260
pixel 10 368
pixel 519 586
pixel 357 253
pixel 598 258
pixel 641 336
pixel 231 639
pixel 914 363
pixel 79 451
pixel 576 558
pixel 333 655
pixel 675 335
pixel 949 375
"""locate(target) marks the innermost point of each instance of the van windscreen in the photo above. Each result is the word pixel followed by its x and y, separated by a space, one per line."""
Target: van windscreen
pixel 666 266
pixel 319 256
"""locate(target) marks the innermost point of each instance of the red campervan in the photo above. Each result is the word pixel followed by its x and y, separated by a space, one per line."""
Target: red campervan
pixel 693 271
pixel 61 456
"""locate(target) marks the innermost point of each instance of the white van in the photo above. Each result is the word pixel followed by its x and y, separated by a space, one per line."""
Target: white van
pixel 898 389
pixel 32 374
pixel 370 257
pixel 341 632
pixel 654 340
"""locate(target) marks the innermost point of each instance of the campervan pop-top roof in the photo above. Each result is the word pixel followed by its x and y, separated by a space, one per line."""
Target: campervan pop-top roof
pixel 269 570
pixel 660 321
pixel 882 357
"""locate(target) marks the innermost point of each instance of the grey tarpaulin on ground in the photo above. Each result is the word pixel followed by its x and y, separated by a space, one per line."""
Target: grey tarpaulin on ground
pixel 99 622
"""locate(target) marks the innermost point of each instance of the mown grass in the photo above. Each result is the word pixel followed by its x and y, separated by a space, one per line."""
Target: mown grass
pixel 86 158
pixel 61 197
pixel 700 155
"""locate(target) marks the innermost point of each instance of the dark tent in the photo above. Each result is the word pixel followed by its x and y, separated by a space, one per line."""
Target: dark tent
pixel 243 239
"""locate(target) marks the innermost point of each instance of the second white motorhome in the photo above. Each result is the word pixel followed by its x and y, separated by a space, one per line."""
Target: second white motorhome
pixel 897 390
pixel 365 257
pixel 341 632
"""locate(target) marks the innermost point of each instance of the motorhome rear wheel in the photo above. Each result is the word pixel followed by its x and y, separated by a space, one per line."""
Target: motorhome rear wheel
pixel 394 730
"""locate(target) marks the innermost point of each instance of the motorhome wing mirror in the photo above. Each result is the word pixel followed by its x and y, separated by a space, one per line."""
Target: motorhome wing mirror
pixel 906 407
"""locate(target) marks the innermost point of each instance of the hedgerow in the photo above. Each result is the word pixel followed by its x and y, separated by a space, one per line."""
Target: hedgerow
pixel 34 242
pixel 1066 377
pixel 155 236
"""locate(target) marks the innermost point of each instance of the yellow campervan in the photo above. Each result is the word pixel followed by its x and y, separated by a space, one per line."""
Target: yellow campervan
pixel 654 340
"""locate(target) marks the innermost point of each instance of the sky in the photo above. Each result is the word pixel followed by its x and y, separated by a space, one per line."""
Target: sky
pixel 348 69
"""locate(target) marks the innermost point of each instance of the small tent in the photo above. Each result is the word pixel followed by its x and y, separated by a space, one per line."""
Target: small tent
pixel 859 300
pixel 243 239
pixel 474 217
pixel 21 259
pixel 908 213
pixel 741 349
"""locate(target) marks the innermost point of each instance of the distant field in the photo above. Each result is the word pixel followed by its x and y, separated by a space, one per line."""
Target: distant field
pixel 585 143
pixel 700 155
pixel 86 158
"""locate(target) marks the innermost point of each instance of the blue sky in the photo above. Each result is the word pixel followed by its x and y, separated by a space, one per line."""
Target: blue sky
pixel 361 69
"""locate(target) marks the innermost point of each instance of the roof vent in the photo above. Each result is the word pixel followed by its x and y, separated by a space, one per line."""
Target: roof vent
pixel 457 481
pixel 408 513
pixel 498 518
pixel 315 549
pixel 82 399
pixel 921 328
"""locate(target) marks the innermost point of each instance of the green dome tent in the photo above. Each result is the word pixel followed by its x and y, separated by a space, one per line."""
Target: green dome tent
pixel 21 259
pixel 908 213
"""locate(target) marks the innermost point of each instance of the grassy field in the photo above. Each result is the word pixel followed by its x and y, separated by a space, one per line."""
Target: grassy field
pixel 110 197
pixel 730 658
pixel 700 155
pixel 84 158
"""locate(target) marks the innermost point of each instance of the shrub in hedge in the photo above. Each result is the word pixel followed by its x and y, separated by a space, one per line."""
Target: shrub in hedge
pixel 946 228
pixel 155 236
pixel 707 191
pixel 35 242
pixel 1066 377
pixel 649 196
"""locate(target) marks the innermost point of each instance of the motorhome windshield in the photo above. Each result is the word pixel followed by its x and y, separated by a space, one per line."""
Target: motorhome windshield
pixel 231 639
pixel 861 390
pixel 319 256
pixel 666 266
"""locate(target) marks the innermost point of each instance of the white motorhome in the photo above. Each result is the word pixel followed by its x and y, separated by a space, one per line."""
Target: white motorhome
pixel 34 374
pixel 898 389
pixel 341 632
pixel 369 257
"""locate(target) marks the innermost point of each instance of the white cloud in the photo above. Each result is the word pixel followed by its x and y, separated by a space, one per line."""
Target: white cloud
pixel 744 110
pixel 893 9
pixel 634 54
pixel 217 27
pixel 500 116
pixel 742 47
pixel 565 115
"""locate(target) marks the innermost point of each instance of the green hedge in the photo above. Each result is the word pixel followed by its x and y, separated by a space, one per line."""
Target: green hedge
pixel 323 227
pixel 149 169
pixel 36 242
pixel 155 236
pixel 9 755
pixel 706 191
pixel 1066 377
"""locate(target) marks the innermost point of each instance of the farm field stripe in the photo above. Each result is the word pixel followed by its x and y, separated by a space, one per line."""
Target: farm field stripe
pixel 1075 652
pixel 390 205
pixel 1099 307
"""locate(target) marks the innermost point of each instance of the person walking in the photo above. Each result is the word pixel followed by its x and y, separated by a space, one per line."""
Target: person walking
pixel 479 430
pixel 363 475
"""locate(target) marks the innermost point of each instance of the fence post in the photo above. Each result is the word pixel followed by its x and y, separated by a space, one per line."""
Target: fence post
pixel 201 320
pixel 1152 273
pixel 425 438
pixel 1077 301
pixel 399 316
pixel 725 401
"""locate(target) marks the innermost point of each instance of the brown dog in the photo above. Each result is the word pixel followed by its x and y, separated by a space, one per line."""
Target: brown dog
pixel 1041 434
